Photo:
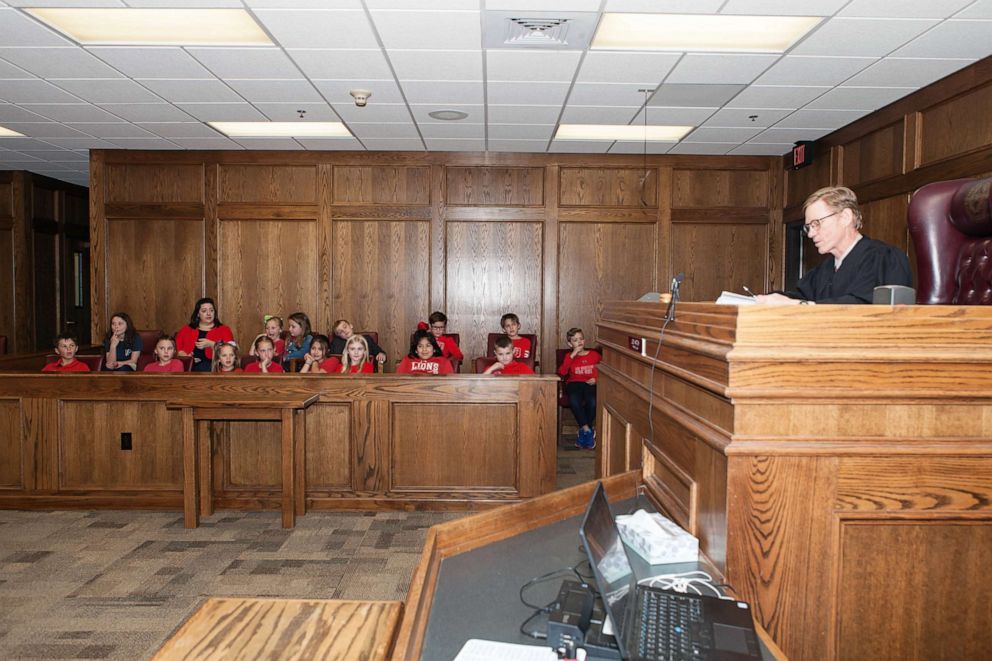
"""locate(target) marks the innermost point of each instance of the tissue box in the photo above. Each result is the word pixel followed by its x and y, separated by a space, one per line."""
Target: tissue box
pixel 656 539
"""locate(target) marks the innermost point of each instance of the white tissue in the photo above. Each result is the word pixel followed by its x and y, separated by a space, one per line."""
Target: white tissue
pixel 656 539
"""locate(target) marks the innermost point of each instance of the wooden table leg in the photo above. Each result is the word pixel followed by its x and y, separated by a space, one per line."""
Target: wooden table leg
pixel 288 469
pixel 191 505
pixel 206 445
pixel 301 463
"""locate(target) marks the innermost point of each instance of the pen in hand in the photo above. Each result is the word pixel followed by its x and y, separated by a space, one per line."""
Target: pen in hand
pixel 749 292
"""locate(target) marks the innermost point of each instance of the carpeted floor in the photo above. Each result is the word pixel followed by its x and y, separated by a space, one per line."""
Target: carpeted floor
pixel 115 585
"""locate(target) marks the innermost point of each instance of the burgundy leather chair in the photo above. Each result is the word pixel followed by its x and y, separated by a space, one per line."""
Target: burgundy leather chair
pixel 149 338
pixel 3 345
pixel 951 226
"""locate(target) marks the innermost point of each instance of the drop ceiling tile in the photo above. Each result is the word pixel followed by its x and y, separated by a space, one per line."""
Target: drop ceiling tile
pixel 288 144
pixel 12 113
pixel 521 131
pixel 275 91
pixel 456 30
pixel 901 72
pixel 736 135
pixel 598 114
pixel 580 146
pixel 383 91
pixel 720 68
pixel 16 144
pixel 512 114
pixel 108 91
pixel 72 112
pixel 806 70
pixel 642 69
pixel 453 130
pixel 441 144
pixel 318 28
pixel 538 5
pixel 531 65
pixel 143 143
pixel 675 116
pixel 476 113
pixel 331 144
pixel 444 93
pixel 172 130
pixel 665 6
pixel 374 112
pixel 861 37
pixel 194 4
pixel 638 147
pixel 140 62
pixel 34 91
pixel 524 93
pixel 193 91
pixel 16 29
pixel 694 95
pixel 783 7
pixel 970 39
pixel 741 117
pixel 703 148
pixel 288 112
pixel 17 158
pixel 393 144
pixel 772 96
pixel 45 130
pixel 363 131
pixel 783 135
pixel 109 131
pixel 304 4
pixel 337 64
pixel 59 62
pixel 206 143
pixel 423 4
pixel 981 9
pixel 820 119
pixel 437 64
pixel 904 8
pixel 269 63
pixel 80 143
pixel 605 94
pixel 147 112
pixel 68 156
pixel 859 98
pixel 518 145
pixel 9 71
pixel 223 112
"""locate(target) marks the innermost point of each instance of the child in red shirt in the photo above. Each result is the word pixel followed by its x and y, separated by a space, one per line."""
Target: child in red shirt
pixel 580 372
pixel 66 347
pixel 226 359
pixel 319 360
pixel 355 359
pixel 273 331
pixel 505 364
pixel 510 324
pixel 438 326
pixel 424 357
pixel 265 349
pixel 165 354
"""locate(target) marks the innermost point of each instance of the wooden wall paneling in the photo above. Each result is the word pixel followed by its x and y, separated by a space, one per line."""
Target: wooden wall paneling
pixel 912 151
pixel 321 317
pixel 776 232
pixel 75 208
pixel 371 438
pixel 44 201
pixel 41 443
pixel 801 183
pixel 90 446
pixel 495 186
pixel 210 237
pixel 382 184
pixel 720 188
pixel 154 271
pixel 8 324
pixel 269 184
pixel 595 266
pixel 153 182
pixel 663 229
pixel 47 294
pixel 328 447
pixel 250 453
pixel 538 422
pixel 6 195
pixel 23 338
pixel 99 237
pixel 715 257
pixel 956 126
pixel 885 220
pixel 459 455
pixel 438 250
pixel 12 473
pixel 608 187
pixel 266 267
pixel 874 156
pixel 552 331
pixel 492 268
pixel 380 278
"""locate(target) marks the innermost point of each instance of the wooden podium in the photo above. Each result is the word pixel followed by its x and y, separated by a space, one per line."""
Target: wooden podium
pixel 834 461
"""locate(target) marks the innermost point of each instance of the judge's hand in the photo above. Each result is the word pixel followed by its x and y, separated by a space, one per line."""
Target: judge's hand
pixel 776 299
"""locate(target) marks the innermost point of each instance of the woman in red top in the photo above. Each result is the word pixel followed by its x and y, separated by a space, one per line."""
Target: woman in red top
pixel 355 359
pixel 424 357
pixel 204 330
pixel 580 372
pixel 319 360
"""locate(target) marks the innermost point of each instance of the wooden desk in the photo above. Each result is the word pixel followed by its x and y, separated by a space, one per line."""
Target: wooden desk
pixel 249 629
pixel 198 449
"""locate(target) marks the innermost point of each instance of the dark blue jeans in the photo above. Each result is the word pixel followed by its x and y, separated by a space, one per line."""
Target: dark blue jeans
pixel 582 401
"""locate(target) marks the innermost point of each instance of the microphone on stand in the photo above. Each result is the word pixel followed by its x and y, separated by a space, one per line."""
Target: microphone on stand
pixel 676 284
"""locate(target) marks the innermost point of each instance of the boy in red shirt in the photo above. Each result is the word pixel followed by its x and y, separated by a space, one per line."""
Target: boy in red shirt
pixel 510 324
pixel 438 326
pixel 66 347
pixel 580 372
pixel 505 363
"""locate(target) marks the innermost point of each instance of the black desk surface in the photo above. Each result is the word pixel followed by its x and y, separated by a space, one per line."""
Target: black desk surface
pixel 477 594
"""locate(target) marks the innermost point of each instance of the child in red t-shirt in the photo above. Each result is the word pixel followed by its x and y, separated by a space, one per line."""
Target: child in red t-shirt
pixel 66 347
pixel 424 357
pixel 273 331
pixel 165 355
pixel 505 364
pixel 580 372
pixel 438 327
pixel 355 359
pixel 510 324
pixel 319 360
pixel 226 359
pixel 265 349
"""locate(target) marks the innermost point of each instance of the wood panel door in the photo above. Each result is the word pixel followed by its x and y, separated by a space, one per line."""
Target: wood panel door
pixel 75 284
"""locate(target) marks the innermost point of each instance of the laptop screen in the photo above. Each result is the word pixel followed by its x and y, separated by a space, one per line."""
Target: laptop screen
pixel 609 561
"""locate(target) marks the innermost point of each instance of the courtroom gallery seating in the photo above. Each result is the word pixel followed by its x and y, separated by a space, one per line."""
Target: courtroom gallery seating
pixel 94 362
pixel 951 226
pixel 535 349
pixel 149 338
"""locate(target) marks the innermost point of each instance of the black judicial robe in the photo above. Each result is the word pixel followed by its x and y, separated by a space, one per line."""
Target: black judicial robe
pixel 870 264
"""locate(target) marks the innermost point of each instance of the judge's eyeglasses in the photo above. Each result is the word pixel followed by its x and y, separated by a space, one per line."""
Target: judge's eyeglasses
pixel 815 223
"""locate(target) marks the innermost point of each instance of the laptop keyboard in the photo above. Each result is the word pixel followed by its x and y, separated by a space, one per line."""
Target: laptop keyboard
pixel 669 623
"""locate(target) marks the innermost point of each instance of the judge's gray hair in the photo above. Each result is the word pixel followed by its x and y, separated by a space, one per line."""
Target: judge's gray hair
pixel 837 198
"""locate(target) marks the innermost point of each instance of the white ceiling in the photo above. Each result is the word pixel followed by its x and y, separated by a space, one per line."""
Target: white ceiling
pixel 423 55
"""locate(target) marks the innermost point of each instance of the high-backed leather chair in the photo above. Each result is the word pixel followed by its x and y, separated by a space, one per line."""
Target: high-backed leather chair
pixel 951 226
pixel 149 338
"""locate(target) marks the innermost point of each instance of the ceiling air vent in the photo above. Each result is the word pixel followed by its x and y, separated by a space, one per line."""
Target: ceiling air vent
pixel 536 32
pixel 565 30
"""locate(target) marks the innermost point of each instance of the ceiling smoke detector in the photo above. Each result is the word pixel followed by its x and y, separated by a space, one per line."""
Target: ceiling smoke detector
pixel 448 115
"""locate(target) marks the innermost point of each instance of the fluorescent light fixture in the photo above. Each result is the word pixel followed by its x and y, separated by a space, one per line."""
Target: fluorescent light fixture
pixel 155 27
pixel 701 32
pixel 282 129
pixel 632 133
pixel 8 133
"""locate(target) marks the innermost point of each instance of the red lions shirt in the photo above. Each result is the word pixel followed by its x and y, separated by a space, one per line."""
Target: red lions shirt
pixel 174 365
pixel 514 368
pixel 449 349
pixel 256 368
pixel 581 368
pixel 521 348
pixel 74 366
pixel 329 366
pixel 437 365
pixel 365 369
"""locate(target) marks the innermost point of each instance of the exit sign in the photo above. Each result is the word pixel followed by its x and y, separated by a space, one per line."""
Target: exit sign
pixel 802 154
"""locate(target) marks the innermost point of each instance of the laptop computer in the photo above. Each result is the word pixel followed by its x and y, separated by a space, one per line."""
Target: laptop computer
pixel 652 623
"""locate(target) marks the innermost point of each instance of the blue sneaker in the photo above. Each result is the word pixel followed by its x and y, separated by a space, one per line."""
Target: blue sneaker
pixel 591 439
pixel 586 439
pixel 580 441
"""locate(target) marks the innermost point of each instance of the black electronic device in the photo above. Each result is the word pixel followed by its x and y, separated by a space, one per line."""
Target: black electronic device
pixel 569 619
pixel 652 623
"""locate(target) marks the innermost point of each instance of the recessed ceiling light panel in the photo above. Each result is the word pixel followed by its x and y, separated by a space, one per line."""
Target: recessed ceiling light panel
pixel 634 133
pixel 448 115
pixel 8 133
pixel 282 129
pixel 701 32
pixel 154 27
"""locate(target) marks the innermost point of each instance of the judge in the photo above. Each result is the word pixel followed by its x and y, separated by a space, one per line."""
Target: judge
pixel 855 264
